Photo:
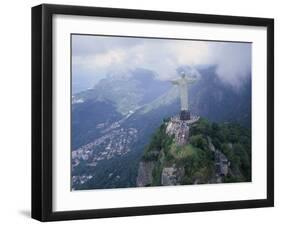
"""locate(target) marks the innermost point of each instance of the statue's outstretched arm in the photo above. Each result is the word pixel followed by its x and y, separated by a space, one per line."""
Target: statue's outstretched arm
pixel 174 82
pixel 192 80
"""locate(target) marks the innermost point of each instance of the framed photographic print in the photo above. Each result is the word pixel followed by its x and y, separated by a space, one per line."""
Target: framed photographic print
pixel 145 112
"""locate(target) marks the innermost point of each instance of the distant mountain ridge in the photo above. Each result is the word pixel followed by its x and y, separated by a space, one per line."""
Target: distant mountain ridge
pixel 128 91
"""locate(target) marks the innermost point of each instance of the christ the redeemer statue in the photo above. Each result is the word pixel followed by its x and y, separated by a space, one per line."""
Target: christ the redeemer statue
pixel 183 84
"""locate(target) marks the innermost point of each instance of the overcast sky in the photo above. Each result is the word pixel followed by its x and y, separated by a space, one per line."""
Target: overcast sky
pixel 98 56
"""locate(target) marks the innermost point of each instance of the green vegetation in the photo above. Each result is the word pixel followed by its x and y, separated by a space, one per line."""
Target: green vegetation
pixel 234 141
pixel 198 161
pixel 160 140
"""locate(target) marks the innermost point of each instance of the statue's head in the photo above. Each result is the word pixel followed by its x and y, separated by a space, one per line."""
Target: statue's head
pixel 182 74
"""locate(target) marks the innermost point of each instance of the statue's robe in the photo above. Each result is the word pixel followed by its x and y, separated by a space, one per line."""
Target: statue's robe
pixel 183 84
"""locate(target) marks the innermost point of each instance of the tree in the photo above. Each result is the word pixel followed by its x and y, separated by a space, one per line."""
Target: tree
pixel 199 141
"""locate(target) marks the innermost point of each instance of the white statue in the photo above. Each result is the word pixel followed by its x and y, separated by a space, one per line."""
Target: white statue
pixel 183 84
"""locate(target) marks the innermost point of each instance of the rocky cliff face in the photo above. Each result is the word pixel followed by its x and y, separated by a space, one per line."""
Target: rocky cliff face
pixel 145 173
pixel 172 175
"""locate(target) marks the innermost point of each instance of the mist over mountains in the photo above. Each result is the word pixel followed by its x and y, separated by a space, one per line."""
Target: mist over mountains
pixel 113 121
pixel 94 57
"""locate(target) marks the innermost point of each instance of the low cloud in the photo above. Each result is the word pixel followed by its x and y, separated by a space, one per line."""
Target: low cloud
pixel 98 55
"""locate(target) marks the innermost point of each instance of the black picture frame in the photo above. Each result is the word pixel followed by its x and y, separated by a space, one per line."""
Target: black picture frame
pixel 42 111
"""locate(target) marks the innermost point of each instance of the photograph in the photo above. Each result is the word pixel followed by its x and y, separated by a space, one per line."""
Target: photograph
pixel 154 111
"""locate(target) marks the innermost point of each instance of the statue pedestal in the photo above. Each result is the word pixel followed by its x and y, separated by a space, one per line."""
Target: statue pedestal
pixel 184 115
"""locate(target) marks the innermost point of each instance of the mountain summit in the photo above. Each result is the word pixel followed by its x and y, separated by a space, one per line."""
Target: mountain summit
pixel 196 152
